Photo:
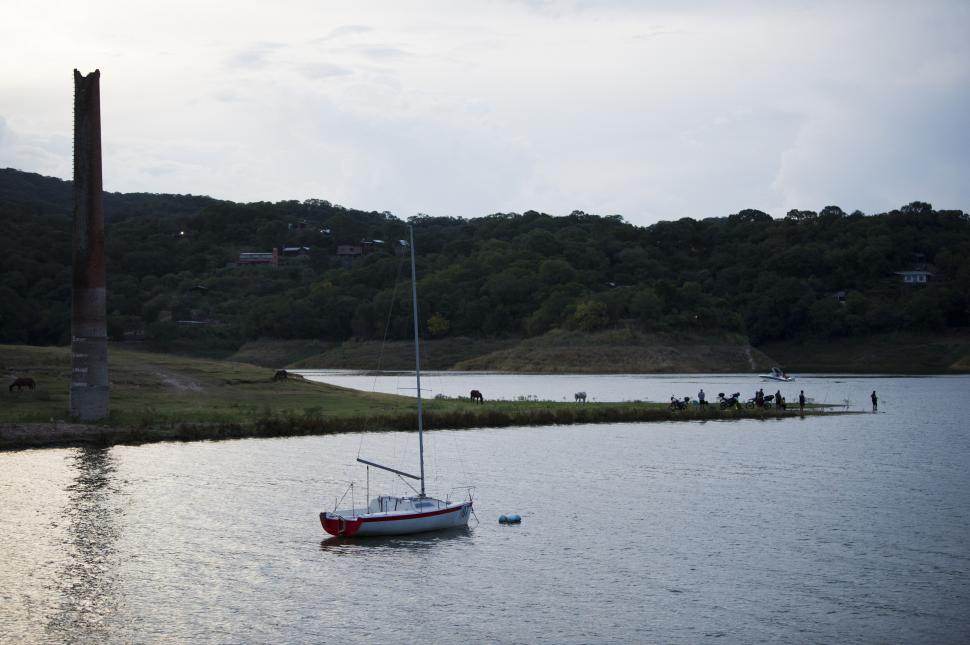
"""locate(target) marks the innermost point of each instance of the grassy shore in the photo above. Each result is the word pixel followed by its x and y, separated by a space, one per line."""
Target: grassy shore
pixel 568 352
pixel 161 397
pixel 622 351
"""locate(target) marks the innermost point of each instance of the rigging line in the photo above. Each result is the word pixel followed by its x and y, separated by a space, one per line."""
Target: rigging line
pixel 409 484
pixel 380 354
pixel 390 312
pixel 349 488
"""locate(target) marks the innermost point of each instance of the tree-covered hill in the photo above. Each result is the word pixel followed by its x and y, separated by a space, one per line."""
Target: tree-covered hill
pixel 174 274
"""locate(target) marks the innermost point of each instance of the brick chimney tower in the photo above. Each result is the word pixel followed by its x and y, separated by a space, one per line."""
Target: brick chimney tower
pixel 89 328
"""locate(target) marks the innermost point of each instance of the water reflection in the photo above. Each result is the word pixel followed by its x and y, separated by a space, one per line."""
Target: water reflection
pixel 414 543
pixel 86 583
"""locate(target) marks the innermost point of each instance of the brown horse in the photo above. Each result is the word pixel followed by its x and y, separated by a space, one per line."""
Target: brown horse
pixel 23 382
pixel 477 396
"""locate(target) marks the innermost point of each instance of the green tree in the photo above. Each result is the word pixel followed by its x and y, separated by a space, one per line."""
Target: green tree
pixel 438 326
pixel 590 315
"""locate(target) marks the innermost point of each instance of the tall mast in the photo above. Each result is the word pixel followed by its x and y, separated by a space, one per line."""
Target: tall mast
pixel 417 357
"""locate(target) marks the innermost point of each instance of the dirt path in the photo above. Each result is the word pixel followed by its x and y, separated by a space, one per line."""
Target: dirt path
pixel 747 352
pixel 178 382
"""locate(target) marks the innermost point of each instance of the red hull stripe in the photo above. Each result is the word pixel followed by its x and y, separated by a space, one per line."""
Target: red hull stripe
pixel 412 516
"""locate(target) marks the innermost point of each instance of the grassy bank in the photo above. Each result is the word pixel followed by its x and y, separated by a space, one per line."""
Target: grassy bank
pixel 612 351
pixel 277 353
pixel 628 351
pixel 624 351
pixel 438 354
pixel 159 397
pixel 439 416
pixel 898 353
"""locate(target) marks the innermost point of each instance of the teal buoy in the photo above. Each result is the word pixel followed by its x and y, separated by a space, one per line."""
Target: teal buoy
pixel 502 519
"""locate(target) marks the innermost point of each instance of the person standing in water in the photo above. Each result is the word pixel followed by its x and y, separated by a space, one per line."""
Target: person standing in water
pixel 875 401
pixel 700 398
pixel 801 401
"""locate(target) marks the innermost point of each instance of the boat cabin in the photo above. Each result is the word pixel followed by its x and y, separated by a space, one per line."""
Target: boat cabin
pixel 393 504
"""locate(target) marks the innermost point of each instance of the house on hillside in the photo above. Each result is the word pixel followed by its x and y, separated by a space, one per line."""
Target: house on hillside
pixel 272 258
pixel 915 276
pixel 369 246
pixel 347 253
pixel 295 254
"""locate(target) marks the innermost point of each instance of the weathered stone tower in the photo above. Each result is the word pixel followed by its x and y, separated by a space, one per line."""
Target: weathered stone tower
pixel 89 329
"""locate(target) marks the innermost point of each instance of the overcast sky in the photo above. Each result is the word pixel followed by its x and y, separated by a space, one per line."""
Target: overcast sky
pixel 650 110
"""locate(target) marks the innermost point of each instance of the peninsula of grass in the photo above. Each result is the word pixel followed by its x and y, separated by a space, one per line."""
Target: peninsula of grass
pixel 161 397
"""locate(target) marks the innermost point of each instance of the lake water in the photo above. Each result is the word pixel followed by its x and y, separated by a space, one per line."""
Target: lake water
pixel 841 391
pixel 837 529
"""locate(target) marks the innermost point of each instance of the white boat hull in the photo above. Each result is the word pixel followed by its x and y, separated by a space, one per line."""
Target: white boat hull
pixel 344 523
pixel 777 374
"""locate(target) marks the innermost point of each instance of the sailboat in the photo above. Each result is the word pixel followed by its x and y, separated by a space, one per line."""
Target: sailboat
pixel 401 515
pixel 777 375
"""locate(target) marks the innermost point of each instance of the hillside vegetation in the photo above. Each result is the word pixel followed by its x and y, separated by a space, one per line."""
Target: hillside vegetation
pixel 174 282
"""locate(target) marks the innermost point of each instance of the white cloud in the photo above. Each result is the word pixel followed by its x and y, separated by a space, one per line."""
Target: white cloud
pixel 345 31
pixel 48 154
pixel 255 55
pixel 323 70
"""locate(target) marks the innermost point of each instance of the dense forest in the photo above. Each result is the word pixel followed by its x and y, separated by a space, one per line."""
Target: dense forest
pixel 174 271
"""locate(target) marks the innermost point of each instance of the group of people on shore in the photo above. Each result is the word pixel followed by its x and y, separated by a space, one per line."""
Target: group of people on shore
pixel 759 400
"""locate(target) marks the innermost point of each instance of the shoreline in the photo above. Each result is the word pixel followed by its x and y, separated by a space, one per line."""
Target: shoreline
pixel 23 436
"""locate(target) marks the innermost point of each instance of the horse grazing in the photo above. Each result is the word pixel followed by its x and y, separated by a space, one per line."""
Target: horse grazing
pixel 477 396
pixel 280 375
pixel 23 382
pixel 580 397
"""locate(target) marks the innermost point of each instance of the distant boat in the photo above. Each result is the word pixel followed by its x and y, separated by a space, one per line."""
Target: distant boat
pixel 777 375
pixel 394 515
